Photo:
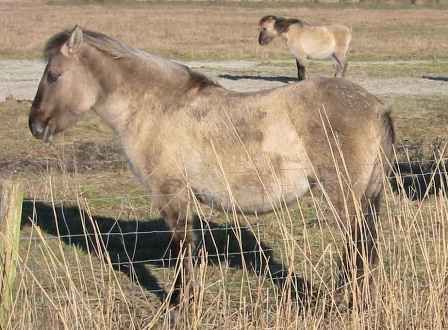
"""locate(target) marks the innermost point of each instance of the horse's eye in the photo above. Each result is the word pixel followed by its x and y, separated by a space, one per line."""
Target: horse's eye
pixel 52 76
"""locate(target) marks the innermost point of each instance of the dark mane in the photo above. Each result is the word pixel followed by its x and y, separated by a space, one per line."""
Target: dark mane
pixel 55 42
pixel 199 81
pixel 98 40
pixel 282 24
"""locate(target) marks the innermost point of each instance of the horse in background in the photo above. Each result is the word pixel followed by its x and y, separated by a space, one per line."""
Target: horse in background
pixel 306 41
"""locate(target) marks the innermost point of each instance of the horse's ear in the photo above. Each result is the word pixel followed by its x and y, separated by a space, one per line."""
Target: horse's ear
pixel 74 42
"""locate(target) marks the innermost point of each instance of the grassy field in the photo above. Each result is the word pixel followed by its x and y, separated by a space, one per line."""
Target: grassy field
pixel 79 186
pixel 84 170
pixel 224 31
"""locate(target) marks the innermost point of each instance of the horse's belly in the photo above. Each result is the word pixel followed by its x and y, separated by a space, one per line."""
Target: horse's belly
pixel 255 176
pixel 318 47
pixel 255 193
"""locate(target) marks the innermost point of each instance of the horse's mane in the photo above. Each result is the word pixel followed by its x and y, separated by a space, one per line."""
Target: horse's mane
pixel 282 24
pixel 117 50
pixel 98 40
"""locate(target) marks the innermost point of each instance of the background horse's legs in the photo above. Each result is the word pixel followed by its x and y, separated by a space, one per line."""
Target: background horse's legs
pixel 173 202
pixel 300 71
pixel 340 65
pixel 344 69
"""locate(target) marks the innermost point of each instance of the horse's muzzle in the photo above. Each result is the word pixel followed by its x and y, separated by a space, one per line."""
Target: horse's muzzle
pixel 39 129
pixel 263 40
pixel 36 128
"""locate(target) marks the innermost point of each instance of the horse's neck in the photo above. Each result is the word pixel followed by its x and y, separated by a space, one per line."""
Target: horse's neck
pixel 293 32
pixel 127 84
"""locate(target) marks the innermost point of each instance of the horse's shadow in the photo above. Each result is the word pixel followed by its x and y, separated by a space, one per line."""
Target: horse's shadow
pixel 438 78
pixel 285 80
pixel 419 180
pixel 132 244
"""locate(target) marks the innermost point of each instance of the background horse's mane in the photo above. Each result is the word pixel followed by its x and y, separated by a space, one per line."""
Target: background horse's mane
pixel 281 23
pixel 117 50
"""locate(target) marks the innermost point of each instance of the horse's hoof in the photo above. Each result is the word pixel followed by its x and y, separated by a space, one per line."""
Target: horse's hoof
pixel 303 291
pixel 298 289
pixel 171 318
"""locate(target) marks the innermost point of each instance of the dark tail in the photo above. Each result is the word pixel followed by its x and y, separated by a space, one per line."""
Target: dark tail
pixel 372 198
pixel 362 243
pixel 383 166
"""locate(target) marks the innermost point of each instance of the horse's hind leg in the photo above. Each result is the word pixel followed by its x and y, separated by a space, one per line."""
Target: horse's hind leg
pixel 361 253
pixel 344 69
pixel 341 65
pixel 172 199
pixel 301 75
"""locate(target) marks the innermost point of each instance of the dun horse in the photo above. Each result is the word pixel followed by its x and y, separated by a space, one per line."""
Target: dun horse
pixel 308 41
pixel 188 139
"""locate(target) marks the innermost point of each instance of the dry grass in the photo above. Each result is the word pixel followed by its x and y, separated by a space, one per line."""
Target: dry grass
pixel 63 287
pixel 223 31
pixel 69 284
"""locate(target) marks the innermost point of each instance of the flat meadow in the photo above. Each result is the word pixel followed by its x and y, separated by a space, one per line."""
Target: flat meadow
pixel 94 254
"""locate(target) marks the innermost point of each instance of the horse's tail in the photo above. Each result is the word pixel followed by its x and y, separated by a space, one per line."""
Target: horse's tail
pixel 382 166
pixel 364 236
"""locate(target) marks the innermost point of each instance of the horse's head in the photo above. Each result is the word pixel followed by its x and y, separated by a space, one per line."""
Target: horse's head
pixel 267 30
pixel 67 88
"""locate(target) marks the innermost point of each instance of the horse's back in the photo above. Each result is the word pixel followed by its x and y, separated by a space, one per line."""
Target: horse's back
pixel 346 106
pixel 320 41
pixel 268 145
pixel 340 125
pixel 290 136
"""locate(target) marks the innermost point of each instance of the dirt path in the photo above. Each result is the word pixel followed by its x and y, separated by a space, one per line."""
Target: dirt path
pixel 19 78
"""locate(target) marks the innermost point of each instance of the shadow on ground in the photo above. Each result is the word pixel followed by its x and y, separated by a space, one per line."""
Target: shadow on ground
pixel 133 244
pixel 438 78
pixel 419 180
pixel 285 80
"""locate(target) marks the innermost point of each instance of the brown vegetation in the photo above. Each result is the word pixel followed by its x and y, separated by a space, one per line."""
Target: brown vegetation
pixel 82 186
pixel 198 31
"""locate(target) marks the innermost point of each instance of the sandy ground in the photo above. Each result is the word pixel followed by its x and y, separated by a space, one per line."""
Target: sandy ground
pixel 19 79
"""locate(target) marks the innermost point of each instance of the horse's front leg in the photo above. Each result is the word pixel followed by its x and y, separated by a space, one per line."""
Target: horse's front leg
pixel 173 200
pixel 301 75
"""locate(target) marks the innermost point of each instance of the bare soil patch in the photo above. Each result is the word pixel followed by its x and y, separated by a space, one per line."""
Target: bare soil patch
pixel 20 78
